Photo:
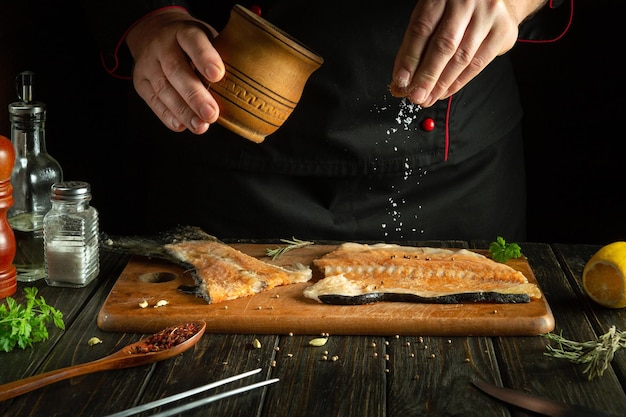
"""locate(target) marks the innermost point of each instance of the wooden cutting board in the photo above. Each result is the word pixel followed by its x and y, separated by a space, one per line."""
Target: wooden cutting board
pixel 285 310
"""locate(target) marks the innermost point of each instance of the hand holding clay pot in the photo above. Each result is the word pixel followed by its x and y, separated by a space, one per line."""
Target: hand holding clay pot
pixel 266 70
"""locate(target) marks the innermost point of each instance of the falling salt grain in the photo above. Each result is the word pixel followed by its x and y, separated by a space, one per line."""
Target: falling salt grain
pixel 256 344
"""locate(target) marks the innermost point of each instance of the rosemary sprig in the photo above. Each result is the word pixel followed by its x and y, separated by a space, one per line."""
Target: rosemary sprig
pixel 291 244
pixel 597 353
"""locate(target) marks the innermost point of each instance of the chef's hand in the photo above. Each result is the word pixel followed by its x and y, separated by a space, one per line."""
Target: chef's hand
pixel 168 47
pixel 447 43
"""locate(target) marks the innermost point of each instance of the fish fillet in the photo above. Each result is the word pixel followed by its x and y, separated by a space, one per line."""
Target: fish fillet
pixel 359 274
pixel 224 273
pixel 220 272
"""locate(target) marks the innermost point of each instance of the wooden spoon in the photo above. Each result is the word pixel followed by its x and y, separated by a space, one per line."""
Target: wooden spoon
pixel 128 356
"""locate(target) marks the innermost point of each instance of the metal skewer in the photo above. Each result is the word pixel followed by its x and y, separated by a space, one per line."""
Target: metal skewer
pixel 203 401
pixel 188 393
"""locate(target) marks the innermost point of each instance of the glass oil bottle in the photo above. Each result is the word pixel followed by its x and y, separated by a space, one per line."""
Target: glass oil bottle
pixel 33 174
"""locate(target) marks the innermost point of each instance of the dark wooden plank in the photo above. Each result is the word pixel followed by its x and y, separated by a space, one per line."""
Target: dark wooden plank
pixel 314 384
pixel 524 364
pixel 215 357
pixel 431 376
pixel 82 395
pixel 24 363
pixel 69 301
pixel 574 258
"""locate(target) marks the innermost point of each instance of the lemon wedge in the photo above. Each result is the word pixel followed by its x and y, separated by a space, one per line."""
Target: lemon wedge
pixel 604 276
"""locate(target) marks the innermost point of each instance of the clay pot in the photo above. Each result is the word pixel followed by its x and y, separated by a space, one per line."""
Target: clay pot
pixel 266 70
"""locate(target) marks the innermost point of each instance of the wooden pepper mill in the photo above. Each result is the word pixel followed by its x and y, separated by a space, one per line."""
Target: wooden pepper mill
pixel 8 273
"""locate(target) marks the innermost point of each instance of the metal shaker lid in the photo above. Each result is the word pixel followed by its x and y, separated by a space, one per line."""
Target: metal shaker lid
pixel 70 191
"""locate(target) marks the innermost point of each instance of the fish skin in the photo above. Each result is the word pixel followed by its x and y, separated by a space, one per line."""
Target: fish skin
pixel 461 298
pixel 154 246
pixel 389 272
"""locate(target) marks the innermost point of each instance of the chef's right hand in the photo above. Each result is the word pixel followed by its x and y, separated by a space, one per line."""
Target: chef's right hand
pixel 169 47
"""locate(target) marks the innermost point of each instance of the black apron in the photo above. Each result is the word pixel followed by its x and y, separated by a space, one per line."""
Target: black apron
pixel 351 162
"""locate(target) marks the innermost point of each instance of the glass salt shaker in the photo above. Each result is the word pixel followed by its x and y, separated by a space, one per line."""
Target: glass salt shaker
pixel 70 234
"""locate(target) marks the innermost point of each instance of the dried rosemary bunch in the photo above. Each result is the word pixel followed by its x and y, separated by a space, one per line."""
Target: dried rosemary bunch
pixel 291 244
pixel 597 353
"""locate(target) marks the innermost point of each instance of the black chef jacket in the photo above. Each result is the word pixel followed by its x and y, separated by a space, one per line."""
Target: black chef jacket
pixel 351 162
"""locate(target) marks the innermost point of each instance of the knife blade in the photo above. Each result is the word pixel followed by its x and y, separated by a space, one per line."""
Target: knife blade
pixel 536 404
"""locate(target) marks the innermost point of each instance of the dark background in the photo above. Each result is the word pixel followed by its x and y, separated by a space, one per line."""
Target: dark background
pixel 570 89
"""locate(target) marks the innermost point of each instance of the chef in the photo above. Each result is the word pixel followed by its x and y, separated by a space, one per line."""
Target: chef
pixel 410 130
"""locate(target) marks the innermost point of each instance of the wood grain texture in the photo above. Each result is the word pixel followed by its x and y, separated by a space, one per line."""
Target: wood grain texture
pixel 285 309
pixel 429 376
pixel 334 372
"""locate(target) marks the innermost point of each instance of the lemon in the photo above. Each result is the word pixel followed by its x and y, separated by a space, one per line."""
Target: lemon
pixel 604 276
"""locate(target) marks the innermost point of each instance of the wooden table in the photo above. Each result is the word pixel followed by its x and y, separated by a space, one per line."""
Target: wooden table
pixel 371 376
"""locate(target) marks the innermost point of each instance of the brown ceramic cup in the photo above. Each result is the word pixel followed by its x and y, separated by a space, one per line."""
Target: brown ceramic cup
pixel 266 70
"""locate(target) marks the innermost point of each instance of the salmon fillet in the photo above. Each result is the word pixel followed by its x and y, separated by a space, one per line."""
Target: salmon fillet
pixel 224 273
pixel 358 274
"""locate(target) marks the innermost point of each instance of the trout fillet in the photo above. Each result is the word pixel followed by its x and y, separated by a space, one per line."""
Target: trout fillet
pixel 360 274
pixel 224 273
pixel 219 271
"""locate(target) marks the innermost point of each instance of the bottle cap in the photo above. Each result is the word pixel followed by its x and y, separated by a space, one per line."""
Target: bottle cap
pixel 71 191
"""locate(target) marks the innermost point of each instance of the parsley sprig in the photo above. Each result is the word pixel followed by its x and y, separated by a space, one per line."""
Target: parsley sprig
pixel 502 251
pixel 24 324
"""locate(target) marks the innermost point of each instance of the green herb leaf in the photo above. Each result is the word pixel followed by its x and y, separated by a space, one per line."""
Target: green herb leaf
pixel 502 251
pixel 22 325
pixel 291 244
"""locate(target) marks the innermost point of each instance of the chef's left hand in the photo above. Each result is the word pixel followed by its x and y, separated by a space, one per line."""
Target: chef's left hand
pixel 447 43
